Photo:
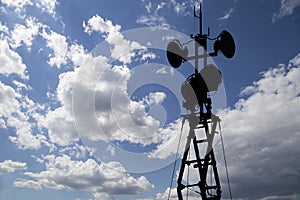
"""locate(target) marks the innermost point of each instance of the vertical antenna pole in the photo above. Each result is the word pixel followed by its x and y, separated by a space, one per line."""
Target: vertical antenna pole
pixel 200 20
pixel 196 48
pixel 196 60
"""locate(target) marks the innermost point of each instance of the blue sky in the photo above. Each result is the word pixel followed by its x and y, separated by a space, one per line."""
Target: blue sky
pixel 90 108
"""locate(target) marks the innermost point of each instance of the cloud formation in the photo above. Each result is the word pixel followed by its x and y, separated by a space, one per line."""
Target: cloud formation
pixel 153 21
pixel 262 135
pixel 17 4
pixel 112 34
pixel 227 14
pixel 20 6
pixel 102 179
pixel 25 33
pixel 16 112
pixel 59 46
pixel 287 8
pixel 9 166
pixel 11 61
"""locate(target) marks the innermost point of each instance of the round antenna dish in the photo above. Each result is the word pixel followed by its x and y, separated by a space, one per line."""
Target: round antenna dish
pixel 227 45
pixel 175 54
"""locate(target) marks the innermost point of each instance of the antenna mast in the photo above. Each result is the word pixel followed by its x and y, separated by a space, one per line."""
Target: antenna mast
pixel 195 93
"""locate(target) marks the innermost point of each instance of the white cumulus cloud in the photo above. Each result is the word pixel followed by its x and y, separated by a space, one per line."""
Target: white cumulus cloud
pixel 90 90
pixel 48 6
pixel 17 4
pixel 114 37
pixel 15 112
pixel 9 166
pixel 58 43
pixel 172 195
pixel 64 173
pixel 24 33
pixel 11 61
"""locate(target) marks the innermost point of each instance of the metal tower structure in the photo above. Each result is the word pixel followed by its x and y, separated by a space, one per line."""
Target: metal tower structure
pixel 195 93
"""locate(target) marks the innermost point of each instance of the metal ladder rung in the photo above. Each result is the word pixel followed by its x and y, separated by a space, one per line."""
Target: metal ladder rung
pixel 202 164
pixel 192 185
pixel 201 141
pixel 188 162
pixel 211 187
pixel 207 187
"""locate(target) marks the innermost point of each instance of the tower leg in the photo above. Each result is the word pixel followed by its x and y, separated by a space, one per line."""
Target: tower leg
pixel 191 136
pixel 201 163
